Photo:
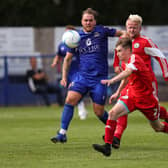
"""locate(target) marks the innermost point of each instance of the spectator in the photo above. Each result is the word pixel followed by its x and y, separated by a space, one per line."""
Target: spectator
pixel 38 83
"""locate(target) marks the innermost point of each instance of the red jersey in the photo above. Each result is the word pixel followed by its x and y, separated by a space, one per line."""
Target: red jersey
pixel 140 91
pixel 140 81
pixel 139 94
pixel 139 46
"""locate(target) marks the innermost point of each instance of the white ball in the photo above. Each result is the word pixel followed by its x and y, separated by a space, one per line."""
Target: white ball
pixel 71 38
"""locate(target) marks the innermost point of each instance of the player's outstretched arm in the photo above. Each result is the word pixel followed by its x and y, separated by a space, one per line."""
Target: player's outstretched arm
pixel 106 82
pixel 65 68
pixel 124 74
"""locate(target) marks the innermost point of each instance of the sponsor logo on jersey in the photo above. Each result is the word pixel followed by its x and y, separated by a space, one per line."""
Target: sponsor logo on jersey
pixel 62 48
pixel 96 34
pixel 88 42
pixel 136 45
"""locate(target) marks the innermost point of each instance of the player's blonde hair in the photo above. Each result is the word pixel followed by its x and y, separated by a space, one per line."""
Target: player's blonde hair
pixel 135 18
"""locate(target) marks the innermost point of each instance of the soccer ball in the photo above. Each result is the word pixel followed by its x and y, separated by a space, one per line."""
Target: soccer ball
pixel 71 38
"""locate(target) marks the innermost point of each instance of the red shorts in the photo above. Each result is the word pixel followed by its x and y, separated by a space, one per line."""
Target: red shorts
pixel 148 105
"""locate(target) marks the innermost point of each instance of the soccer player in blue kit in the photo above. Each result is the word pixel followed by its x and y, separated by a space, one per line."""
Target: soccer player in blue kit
pixel 93 52
pixel 61 53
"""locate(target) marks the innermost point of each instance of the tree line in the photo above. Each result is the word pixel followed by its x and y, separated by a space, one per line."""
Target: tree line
pixel 49 13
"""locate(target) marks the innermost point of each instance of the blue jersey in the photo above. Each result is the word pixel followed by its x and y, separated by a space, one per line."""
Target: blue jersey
pixel 93 51
pixel 62 50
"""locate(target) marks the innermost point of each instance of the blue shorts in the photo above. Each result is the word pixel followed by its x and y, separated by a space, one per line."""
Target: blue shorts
pixel 83 85
pixel 71 77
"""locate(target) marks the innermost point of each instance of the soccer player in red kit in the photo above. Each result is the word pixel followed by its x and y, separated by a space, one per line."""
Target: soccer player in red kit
pixel 137 76
pixel 145 48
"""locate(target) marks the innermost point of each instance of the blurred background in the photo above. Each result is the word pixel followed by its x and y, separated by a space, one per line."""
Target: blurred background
pixel 51 13
pixel 34 28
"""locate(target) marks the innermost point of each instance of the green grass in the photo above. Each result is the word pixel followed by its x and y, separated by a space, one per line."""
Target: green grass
pixel 25 141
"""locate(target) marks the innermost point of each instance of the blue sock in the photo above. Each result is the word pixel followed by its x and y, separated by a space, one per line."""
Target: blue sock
pixel 104 117
pixel 67 115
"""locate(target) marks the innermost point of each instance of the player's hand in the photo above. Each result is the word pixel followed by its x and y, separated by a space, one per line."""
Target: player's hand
pixel 53 65
pixel 113 97
pixel 106 82
pixel 63 82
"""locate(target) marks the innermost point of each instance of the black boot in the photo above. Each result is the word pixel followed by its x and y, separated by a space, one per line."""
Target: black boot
pixel 105 149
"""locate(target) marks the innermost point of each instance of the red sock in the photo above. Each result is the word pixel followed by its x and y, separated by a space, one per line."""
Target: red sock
pixel 109 131
pixel 165 127
pixel 121 126
pixel 163 113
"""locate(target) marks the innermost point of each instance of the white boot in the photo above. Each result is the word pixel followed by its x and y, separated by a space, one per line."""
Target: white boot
pixel 82 112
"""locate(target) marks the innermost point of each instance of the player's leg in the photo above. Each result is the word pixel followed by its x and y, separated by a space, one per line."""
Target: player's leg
pixel 98 95
pixel 121 124
pixel 163 113
pixel 118 110
pixel 100 112
pixel 159 126
pixel 77 89
pixel 82 112
pixel 152 114
pixel 67 114
pixel 120 128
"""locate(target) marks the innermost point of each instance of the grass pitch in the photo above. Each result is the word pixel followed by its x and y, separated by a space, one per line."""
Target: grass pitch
pixel 25 134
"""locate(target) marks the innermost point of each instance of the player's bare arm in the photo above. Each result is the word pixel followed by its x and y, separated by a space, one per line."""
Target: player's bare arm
pixel 124 74
pixel 117 93
pixel 56 60
pixel 65 68
pixel 121 86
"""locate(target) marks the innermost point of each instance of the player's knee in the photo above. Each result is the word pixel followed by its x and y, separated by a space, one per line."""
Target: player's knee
pixel 98 109
pixel 113 115
pixel 71 101
pixel 99 113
